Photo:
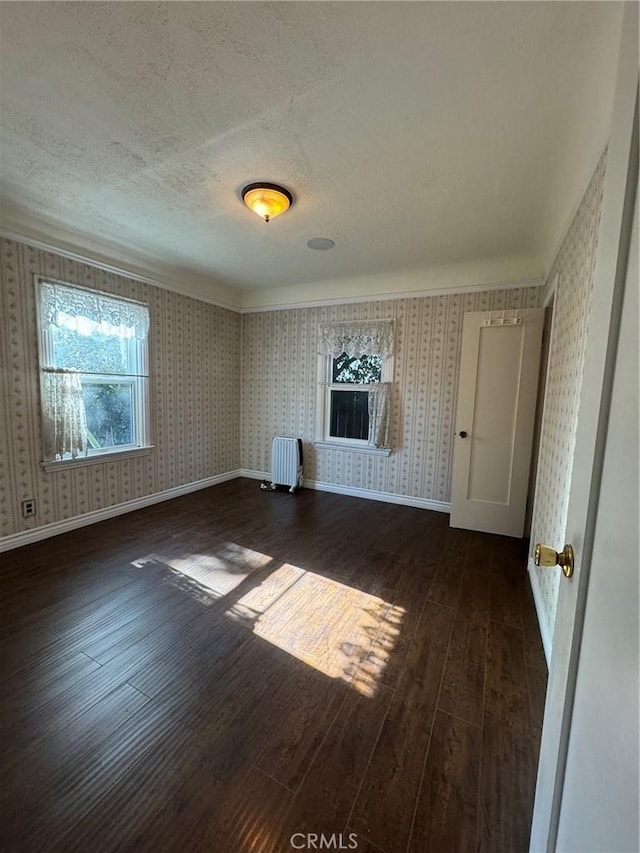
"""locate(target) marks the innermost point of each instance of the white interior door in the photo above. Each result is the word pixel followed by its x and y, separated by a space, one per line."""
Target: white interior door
pixel 495 419
pixel 602 758
pixel 563 798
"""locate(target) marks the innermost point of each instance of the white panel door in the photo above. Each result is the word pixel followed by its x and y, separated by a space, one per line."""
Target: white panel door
pixel 587 787
pixel 603 757
pixel 497 391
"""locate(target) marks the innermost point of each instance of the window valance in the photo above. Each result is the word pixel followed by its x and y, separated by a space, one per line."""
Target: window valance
pixel 368 337
pixel 88 312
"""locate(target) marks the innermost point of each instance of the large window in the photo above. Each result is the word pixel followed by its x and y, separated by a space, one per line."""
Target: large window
pixel 354 381
pixel 94 374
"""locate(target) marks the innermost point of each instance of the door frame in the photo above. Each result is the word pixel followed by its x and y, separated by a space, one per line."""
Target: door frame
pixel 543 382
pixel 609 283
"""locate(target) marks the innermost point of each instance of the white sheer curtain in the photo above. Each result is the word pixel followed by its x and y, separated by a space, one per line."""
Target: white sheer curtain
pixel 64 420
pixel 368 337
pixel 379 414
pixel 87 311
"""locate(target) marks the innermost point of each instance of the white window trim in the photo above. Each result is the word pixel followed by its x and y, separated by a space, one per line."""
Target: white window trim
pixel 141 399
pixel 324 440
pixel 365 448
pixel 97 458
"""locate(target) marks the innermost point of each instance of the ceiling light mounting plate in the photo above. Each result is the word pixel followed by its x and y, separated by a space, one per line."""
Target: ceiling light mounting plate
pixel 320 243
pixel 267 200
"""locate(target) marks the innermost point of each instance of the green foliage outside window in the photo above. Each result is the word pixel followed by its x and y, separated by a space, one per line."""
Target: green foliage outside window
pixel 109 410
pixel 108 405
pixel 357 370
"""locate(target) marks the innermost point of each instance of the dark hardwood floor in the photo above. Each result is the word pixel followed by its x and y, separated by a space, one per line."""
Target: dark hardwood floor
pixel 227 669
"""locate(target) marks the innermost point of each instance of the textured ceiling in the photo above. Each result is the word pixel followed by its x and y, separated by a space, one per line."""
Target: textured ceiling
pixel 416 136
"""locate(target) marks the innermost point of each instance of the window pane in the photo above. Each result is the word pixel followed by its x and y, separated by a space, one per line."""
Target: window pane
pixel 109 409
pixel 349 414
pixel 356 371
pixel 95 353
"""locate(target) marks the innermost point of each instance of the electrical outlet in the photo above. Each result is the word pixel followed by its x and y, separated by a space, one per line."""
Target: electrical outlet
pixel 28 508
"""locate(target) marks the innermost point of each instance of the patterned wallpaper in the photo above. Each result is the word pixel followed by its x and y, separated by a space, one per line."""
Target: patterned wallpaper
pixel 279 380
pixel 194 359
pixel 574 267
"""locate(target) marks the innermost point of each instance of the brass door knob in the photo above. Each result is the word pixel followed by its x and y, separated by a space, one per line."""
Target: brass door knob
pixel 546 556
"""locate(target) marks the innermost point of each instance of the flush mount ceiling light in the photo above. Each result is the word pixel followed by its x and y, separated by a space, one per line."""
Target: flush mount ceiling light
pixel 267 200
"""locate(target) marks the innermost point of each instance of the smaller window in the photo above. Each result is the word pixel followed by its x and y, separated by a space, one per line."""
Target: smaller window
pixel 349 403
pixel 94 376
pixel 346 399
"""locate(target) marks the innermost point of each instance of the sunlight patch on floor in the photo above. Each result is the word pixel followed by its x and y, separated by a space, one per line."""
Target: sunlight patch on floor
pixel 215 570
pixel 337 629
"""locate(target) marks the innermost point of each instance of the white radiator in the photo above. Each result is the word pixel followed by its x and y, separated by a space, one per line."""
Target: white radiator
pixel 286 462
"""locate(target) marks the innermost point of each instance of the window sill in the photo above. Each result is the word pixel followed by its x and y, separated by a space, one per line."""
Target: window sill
pixel 353 448
pixel 96 459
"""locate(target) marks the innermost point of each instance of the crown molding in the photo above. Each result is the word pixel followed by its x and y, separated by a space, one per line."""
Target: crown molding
pixel 184 283
pixel 437 280
pixel 496 274
pixel 406 294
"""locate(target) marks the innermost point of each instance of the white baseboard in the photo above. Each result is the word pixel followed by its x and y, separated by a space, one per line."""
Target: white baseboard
pixel 254 475
pixel 540 612
pixel 26 537
pixel 352 491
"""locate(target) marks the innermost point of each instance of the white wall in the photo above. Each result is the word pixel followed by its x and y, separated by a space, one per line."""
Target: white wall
pixel 572 275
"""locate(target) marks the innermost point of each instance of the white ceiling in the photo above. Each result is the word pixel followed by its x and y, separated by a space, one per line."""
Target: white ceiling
pixel 433 142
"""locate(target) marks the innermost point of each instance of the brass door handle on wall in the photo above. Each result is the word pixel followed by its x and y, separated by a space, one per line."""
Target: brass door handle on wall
pixel 546 556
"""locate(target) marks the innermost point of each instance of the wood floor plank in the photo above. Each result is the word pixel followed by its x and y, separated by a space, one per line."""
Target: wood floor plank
pixel 447 582
pixel 172 610
pixel 462 691
pixel 505 597
pixel 72 615
pixel 36 723
pixel 396 765
pixel 407 583
pixel 36 761
pixel 364 845
pixel 506 692
pixel 42 686
pixel 249 817
pixel 507 786
pixel 214 812
pixel 291 750
pixel 52 820
pixel 323 802
pixel 207 644
pixel 474 591
pixel 158 643
pixel 35 609
pixel 446 818
pixel 91 631
pixel 207 752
